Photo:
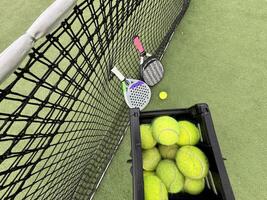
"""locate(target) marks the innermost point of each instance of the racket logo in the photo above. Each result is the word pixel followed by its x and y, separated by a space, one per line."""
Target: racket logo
pixel 135 85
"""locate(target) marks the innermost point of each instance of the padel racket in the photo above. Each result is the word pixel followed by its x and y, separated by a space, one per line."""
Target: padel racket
pixel 136 93
pixel 151 68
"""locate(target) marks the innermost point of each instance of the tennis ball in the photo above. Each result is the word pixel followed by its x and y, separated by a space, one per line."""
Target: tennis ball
pixel 188 133
pixel 192 162
pixel 154 189
pixel 151 158
pixel 163 95
pixel 168 152
pixel 165 130
pixel 194 186
pixel 148 173
pixel 147 140
pixel 168 172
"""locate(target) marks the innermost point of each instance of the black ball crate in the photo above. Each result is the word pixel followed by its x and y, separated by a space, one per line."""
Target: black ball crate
pixel 217 182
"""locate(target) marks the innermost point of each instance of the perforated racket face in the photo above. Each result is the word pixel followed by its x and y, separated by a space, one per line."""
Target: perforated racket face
pixel 138 94
pixel 152 72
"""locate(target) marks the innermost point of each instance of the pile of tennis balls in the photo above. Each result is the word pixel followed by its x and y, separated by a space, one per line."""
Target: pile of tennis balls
pixel 171 162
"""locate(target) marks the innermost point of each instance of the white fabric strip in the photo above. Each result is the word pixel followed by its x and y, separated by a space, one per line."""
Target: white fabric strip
pixel 14 55
pixel 51 18
pixel 11 58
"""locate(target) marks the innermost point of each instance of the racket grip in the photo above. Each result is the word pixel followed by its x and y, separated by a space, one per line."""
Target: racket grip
pixel 138 44
pixel 117 73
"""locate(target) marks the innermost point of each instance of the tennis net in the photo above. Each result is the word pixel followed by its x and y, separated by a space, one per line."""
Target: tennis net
pixel 62 114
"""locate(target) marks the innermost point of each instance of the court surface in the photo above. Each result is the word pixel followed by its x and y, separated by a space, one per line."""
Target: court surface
pixel 217 56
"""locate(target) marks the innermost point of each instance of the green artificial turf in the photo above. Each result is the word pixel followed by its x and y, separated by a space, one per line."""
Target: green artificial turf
pixel 16 16
pixel 217 56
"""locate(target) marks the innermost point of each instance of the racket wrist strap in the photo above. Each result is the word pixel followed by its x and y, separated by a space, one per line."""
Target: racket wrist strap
pixel 142 59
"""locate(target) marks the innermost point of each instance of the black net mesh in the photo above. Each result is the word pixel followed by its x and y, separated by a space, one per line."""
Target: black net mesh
pixel 62 114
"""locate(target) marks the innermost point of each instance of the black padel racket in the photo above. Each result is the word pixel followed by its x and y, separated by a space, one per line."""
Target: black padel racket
pixel 151 68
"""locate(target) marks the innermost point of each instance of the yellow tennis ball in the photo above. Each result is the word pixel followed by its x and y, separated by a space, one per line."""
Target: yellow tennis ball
pixel 168 172
pixel 151 158
pixel 188 133
pixel 194 186
pixel 154 189
pixel 168 152
pixel 149 173
pixel 147 140
pixel 165 130
pixel 163 95
pixel 192 162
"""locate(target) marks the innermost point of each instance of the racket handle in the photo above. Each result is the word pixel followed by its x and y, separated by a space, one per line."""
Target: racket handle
pixel 118 73
pixel 138 44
